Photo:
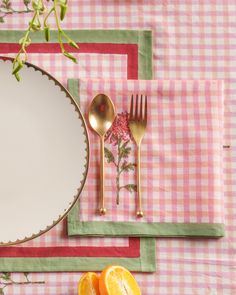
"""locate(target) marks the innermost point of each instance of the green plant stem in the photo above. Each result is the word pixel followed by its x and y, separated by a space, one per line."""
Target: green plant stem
pixel 46 18
pixel 58 26
pixel 13 11
pixel 121 170
pixel 25 38
pixel 6 282
pixel 117 186
pixel 35 25
pixel 60 31
pixel 118 170
pixel 64 34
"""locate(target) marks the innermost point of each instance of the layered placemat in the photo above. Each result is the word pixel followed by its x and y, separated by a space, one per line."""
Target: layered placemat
pixel 182 160
pixel 54 251
pixel 192 39
pixel 139 255
pixel 136 45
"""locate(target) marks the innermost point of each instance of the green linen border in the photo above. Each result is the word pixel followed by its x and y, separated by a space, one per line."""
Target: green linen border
pixel 147 260
pixel 145 263
pixel 135 229
pixel 142 38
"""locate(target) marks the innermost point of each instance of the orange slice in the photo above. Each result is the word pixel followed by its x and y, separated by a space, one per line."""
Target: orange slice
pixel 116 280
pixel 89 284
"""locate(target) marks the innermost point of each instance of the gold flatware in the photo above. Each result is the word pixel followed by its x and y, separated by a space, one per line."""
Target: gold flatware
pixel 101 115
pixel 137 125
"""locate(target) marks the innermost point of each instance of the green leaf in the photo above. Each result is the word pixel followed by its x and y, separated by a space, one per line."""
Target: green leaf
pixel 70 56
pixel 62 2
pixel 17 76
pixel 63 11
pixel 125 144
pixel 124 151
pixel 26 274
pixel 47 33
pixel 109 156
pixel 6 276
pixel 37 5
pixel 1 291
pixel 27 2
pixel 1 21
pixel 130 187
pixel 73 44
pixel 128 167
pixel 6 4
pixel 18 67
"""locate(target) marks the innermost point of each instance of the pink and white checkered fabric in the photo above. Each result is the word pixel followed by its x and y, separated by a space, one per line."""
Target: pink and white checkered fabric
pixel 181 152
pixel 90 65
pixel 192 39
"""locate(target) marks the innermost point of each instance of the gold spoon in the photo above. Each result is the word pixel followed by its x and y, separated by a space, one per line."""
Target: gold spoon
pixel 101 114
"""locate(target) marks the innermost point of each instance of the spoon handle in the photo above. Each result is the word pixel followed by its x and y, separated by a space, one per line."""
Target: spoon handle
pixel 102 208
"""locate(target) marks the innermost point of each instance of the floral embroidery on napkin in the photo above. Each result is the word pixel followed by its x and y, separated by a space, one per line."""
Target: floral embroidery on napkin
pixel 119 136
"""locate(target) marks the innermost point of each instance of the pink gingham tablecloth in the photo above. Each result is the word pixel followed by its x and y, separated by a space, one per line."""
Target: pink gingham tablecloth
pixel 192 39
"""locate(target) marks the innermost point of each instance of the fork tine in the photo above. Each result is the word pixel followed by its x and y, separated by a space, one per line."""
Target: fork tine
pixel 136 108
pixel 131 112
pixel 141 108
pixel 145 109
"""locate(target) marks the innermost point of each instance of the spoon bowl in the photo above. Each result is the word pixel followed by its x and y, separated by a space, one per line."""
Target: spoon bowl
pixel 101 114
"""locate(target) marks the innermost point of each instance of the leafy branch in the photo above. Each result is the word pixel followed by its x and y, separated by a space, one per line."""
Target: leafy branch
pixel 39 11
pixel 122 165
pixel 7 9
pixel 109 156
pixel 126 167
pixel 6 280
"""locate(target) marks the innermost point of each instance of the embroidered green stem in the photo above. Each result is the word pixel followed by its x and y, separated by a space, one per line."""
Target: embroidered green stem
pixel 122 165
pixel 118 172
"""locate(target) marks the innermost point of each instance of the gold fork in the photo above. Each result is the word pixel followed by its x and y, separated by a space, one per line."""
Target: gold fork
pixel 137 125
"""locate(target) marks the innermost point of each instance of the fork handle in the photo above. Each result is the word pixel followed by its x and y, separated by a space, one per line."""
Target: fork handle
pixel 139 212
pixel 102 209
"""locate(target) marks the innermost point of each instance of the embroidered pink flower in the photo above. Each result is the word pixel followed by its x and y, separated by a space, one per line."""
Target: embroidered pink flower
pixel 119 136
pixel 119 130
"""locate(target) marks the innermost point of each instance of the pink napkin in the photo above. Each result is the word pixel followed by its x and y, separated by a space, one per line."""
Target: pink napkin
pixel 182 180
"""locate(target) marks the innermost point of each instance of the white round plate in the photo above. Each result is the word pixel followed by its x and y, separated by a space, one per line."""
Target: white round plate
pixel 44 153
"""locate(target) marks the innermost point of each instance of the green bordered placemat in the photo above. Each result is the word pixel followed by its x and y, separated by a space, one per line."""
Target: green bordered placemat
pixel 137 229
pixel 146 262
pixel 142 38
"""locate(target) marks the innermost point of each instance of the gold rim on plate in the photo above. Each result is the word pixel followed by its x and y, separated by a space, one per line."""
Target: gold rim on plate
pixel 87 150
